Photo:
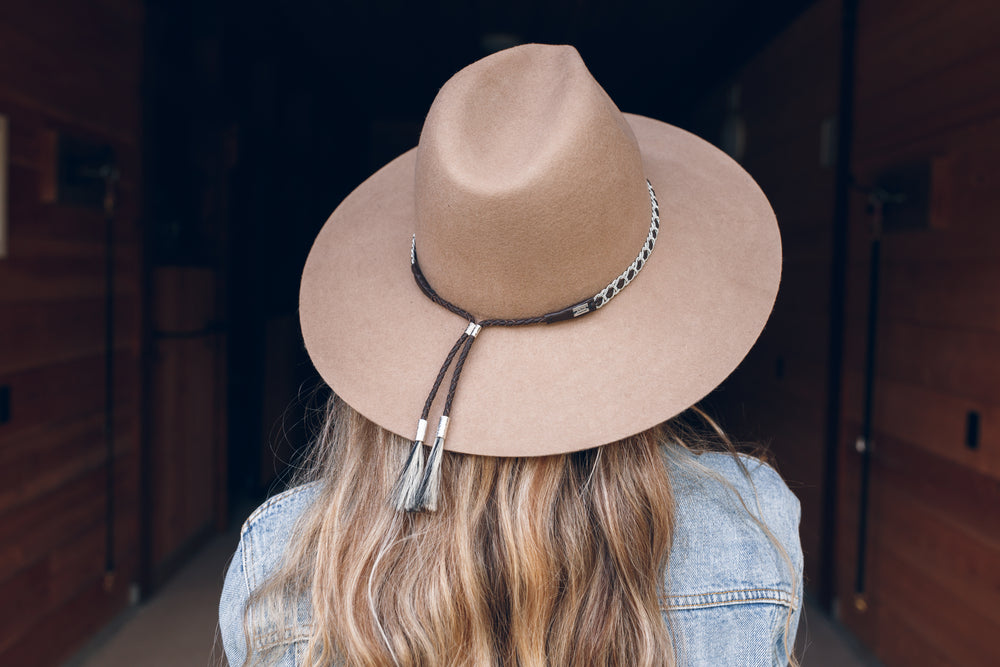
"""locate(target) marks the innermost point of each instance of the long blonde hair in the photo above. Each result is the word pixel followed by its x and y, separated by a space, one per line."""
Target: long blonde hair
pixel 555 560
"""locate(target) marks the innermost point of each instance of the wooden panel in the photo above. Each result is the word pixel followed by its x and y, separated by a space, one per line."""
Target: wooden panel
pixel 186 390
pixel 945 622
pixel 964 497
pixel 45 457
pixel 778 395
pixel 4 161
pixel 953 359
pixel 39 41
pixel 74 69
pixel 924 67
pixel 931 528
pixel 31 529
pixel 914 529
pixel 926 91
pixel 51 394
pixel 182 433
pixel 934 421
pixel 933 291
pixel 907 646
pixel 75 556
pixel 34 529
pixel 78 618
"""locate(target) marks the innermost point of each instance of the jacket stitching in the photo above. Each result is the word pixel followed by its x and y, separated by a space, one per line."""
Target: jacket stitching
pixel 737 596
pixel 248 561
pixel 725 603
pixel 246 532
pixel 273 501
pixel 729 592
pixel 268 504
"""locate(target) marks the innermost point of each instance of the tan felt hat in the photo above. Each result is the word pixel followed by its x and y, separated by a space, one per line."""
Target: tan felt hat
pixel 527 195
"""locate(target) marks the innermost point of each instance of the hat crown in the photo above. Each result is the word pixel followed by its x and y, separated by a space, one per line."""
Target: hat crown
pixel 530 194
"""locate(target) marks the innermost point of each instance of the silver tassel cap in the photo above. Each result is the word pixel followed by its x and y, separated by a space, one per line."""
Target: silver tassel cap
pixel 405 493
pixel 430 486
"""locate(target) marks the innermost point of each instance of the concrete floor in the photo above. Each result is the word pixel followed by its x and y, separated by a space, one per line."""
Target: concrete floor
pixel 822 642
pixel 179 626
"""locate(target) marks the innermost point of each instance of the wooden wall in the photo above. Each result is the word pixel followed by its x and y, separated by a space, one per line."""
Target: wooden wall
pixel 186 439
pixel 778 397
pixel 71 68
pixel 927 91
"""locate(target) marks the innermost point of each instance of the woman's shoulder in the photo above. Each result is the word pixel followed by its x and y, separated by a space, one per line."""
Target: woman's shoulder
pixel 722 483
pixel 725 508
pixel 263 538
pixel 730 512
pixel 731 485
pixel 267 530
pixel 728 582
pixel 725 574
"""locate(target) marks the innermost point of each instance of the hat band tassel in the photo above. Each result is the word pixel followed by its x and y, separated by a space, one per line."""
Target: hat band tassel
pixel 417 479
pixel 419 484
pixel 430 485
pixel 405 492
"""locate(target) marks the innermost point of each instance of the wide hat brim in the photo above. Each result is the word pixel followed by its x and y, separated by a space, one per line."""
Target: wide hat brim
pixel 661 345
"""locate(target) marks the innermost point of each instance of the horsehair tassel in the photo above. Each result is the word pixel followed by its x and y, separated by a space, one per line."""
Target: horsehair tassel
pixel 416 492
pixel 404 494
pixel 430 486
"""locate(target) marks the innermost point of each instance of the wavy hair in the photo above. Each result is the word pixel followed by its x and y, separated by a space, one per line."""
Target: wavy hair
pixel 554 560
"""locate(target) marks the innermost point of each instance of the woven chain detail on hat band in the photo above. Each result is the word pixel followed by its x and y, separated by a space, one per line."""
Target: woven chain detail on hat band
pixel 417 487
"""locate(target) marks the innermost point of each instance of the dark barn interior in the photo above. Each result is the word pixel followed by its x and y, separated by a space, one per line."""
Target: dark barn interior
pixel 164 167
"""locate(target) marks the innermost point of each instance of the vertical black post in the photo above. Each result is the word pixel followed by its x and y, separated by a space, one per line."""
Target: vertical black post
pixel 838 279
pixel 865 444
pixel 110 174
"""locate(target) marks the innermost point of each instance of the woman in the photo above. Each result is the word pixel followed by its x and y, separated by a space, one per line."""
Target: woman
pixel 602 273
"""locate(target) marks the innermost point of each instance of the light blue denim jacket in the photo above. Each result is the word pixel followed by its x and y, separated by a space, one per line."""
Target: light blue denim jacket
pixel 733 600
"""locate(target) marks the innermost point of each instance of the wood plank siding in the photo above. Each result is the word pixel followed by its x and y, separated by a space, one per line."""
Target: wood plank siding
pixel 778 396
pixel 925 92
pixel 71 69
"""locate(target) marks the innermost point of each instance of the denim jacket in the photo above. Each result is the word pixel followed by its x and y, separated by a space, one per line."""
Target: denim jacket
pixel 733 600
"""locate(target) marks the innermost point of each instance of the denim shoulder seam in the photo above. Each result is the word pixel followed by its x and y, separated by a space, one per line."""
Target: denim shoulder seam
pixel 271 503
pixel 245 549
pixel 246 532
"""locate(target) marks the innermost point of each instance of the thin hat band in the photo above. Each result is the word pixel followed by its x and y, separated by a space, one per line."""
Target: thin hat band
pixel 418 485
